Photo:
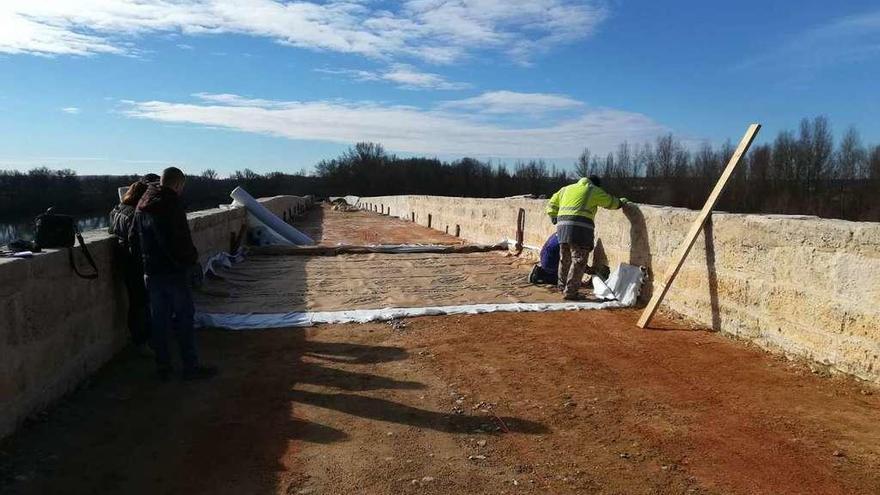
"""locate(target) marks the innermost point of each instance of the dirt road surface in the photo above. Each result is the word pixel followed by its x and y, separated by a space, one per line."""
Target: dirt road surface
pixel 330 228
pixel 498 403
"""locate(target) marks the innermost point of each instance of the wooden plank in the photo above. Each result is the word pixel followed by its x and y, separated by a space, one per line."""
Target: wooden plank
pixel 691 237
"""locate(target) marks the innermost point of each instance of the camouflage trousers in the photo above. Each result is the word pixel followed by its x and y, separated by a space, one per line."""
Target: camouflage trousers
pixel 572 264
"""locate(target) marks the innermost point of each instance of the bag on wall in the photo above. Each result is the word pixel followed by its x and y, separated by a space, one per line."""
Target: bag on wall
pixel 54 231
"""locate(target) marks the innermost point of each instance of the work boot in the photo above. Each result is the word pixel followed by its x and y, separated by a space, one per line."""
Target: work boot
pixel 574 297
pixel 200 372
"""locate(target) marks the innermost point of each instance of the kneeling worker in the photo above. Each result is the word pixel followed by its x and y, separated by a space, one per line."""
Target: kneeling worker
pixel 546 271
pixel 572 209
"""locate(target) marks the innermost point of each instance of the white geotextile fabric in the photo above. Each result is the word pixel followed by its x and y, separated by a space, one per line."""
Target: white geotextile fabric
pixel 260 215
pixel 408 248
pixel 620 290
pixel 222 260
pixel 418 248
pixel 351 200
pixel 624 284
pixel 257 321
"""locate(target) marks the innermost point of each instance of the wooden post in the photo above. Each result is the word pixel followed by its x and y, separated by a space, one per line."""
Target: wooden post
pixel 520 229
pixel 413 214
pixel 429 220
pixel 457 230
pixel 697 226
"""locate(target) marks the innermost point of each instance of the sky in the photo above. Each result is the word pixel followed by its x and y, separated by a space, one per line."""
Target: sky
pixel 118 87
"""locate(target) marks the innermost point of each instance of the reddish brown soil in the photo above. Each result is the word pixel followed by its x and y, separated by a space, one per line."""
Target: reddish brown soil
pixel 500 403
pixel 330 228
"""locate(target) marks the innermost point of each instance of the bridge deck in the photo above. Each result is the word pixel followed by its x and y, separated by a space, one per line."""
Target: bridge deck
pixel 497 403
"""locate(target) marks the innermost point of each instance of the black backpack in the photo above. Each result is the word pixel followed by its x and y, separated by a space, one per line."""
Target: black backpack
pixel 54 231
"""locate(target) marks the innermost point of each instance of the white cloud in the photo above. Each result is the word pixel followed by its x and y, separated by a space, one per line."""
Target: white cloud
pixel 404 75
pixel 434 30
pixel 71 110
pixel 405 129
pixel 842 40
pixel 409 77
pixel 520 26
pixel 510 102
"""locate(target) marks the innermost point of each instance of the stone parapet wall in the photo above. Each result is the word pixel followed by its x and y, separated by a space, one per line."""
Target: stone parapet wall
pixel 56 329
pixel 805 286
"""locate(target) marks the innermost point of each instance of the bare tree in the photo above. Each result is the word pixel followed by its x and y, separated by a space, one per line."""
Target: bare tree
pixel 366 153
pixel 246 174
pixel 625 162
pixel 582 167
pixel 851 157
pixel 664 157
pixel 725 154
pixel 815 150
pixel 759 163
pixel 874 163
pixel 608 168
pixel 784 161
pixel 706 162
pixel 681 160
pixel 210 174
pixel 594 166
pixel 644 160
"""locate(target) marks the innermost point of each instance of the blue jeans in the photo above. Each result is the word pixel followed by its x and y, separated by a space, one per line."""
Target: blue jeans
pixel 171 306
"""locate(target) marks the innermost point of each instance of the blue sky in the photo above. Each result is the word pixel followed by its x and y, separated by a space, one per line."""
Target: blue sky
pixel 112 86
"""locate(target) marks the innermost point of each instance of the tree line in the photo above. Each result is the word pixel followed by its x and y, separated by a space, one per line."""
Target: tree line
pixel 800 172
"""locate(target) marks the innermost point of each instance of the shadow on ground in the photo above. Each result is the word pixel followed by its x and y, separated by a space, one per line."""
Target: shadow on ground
pixel 126 433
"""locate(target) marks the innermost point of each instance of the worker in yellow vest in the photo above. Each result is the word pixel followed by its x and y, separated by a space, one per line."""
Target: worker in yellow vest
pixel 572 209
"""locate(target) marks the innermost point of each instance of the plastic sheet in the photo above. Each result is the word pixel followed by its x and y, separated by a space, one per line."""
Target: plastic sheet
pixel 351 200
pixel 620 290
pixel 377 248
pixel 624 284
pixel 257 321
pixel 282 284
pixel 269 219
pixel 221 260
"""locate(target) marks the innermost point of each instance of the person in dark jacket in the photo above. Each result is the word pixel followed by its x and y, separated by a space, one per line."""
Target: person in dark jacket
pixel 169 258
pixel 128 256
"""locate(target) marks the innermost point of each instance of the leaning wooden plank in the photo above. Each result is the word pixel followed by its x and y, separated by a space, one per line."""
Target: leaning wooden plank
pixel 691 237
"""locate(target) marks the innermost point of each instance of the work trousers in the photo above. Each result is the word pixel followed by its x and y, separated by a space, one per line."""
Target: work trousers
pixel 138 306
pixel 572 264
pixel 171 309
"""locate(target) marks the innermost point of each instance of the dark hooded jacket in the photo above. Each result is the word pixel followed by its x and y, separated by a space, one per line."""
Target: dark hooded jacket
pixel 166 242
pixel 122 225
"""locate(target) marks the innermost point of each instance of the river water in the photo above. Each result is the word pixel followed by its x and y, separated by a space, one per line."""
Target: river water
pixel 9 231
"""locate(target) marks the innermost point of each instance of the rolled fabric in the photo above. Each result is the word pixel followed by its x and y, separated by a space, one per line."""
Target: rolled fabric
pixel 269 219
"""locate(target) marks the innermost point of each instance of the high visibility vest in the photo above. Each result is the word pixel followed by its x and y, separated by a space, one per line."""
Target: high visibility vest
pixel 578 202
